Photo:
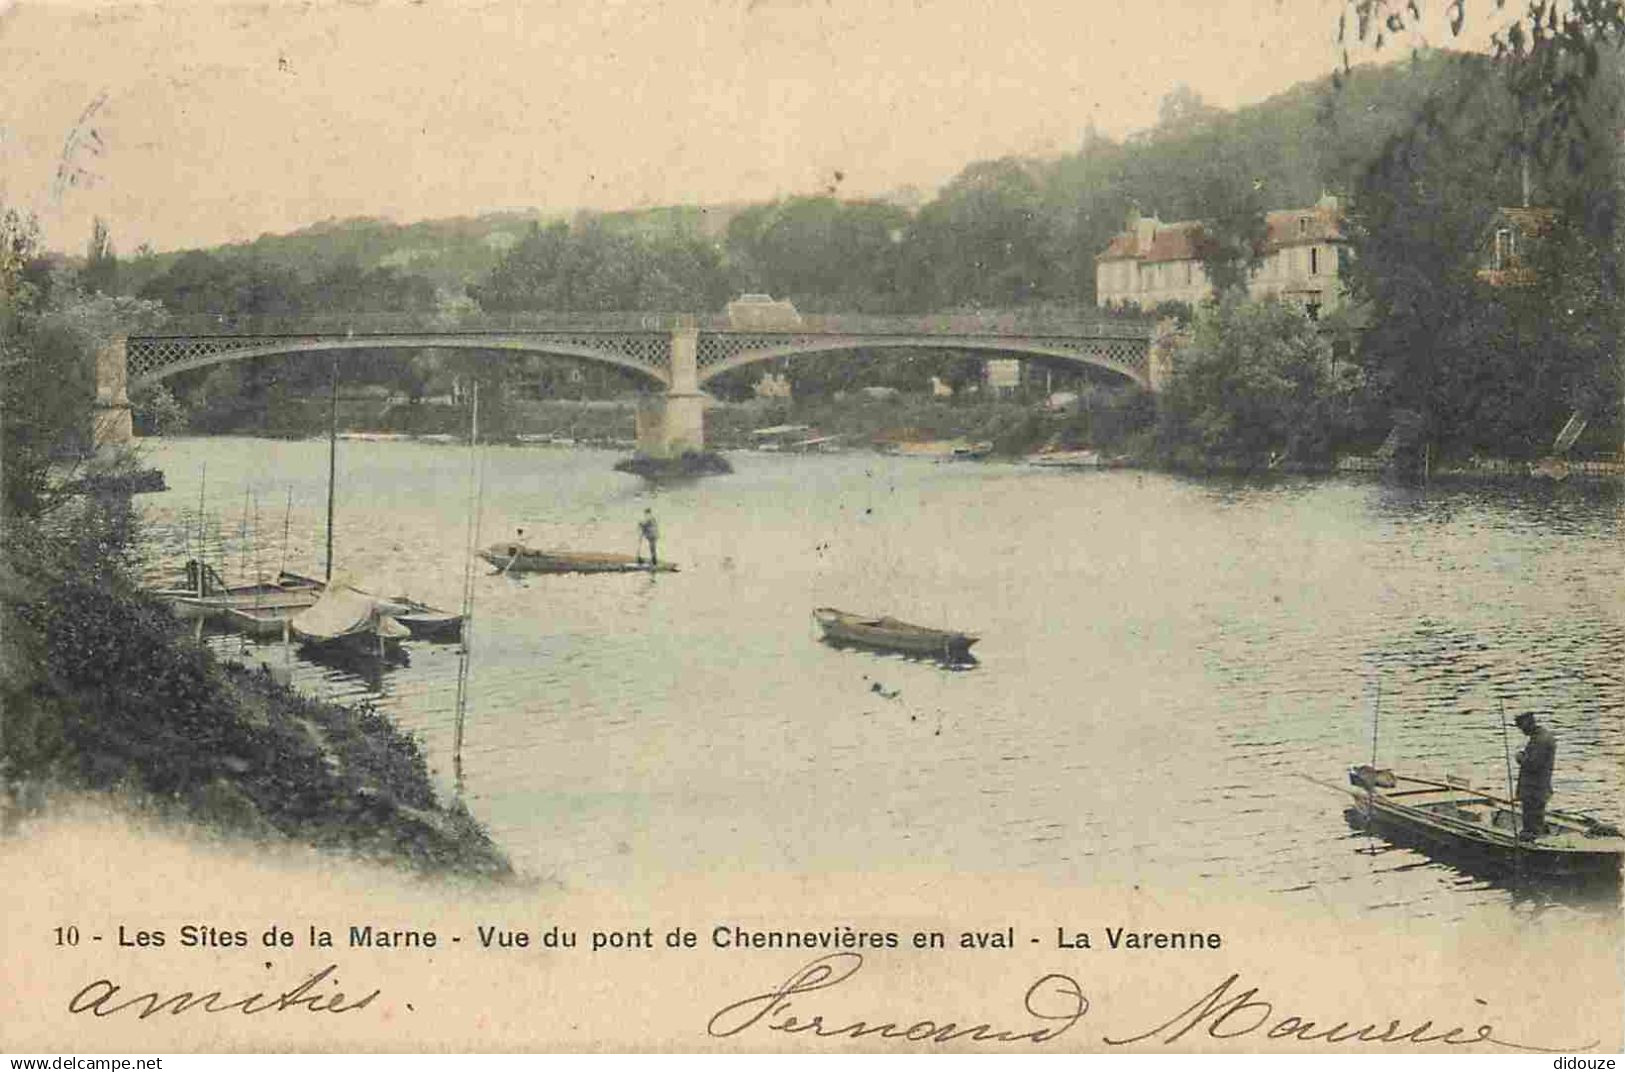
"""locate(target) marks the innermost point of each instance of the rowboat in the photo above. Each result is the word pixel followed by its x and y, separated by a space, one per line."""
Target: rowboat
pixel 889 634
pixel 1066 459
pixel 347 617
pixel 425 622
pixel 207 596
pixel 517 558
pixel 1453 817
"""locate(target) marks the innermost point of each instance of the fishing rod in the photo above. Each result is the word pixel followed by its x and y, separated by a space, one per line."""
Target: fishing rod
pixel 1371 782
pixel 1512 793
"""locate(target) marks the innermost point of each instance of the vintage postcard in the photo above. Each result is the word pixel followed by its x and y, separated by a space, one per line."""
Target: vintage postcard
pixel 808 527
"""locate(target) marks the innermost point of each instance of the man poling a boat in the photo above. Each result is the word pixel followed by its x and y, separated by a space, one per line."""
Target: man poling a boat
pixel 1535 761
pixel 648 530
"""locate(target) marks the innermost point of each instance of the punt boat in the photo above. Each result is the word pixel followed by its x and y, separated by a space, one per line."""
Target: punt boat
pixel 1453 817
pixel 889 634
pixel 517 558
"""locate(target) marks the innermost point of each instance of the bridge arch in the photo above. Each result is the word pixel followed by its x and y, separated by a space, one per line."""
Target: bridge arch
pixel 155 358
pixel 1117 356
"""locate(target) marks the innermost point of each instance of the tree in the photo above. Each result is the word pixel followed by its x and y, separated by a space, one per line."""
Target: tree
pixel 982 242
pixel 819 252
pixel 1558 59
pixel 1256 380
pixel 49 340
pixel 100 273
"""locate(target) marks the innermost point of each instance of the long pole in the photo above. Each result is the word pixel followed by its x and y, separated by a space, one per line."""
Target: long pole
pixel 1371 779
pixel 202 484
pixel 287 518
pixel 1506 746
pixel 332 459
pixel 476 484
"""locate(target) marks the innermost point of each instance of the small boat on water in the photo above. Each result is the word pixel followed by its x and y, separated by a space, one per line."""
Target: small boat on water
pixel 1456 818
pixel 205 595
pixel 1066 459
pixel 517 558
pixel 890 634
pixel 427 623
pixel 345 617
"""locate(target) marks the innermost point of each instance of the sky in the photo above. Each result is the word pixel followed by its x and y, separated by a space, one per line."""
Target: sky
pixel 194 122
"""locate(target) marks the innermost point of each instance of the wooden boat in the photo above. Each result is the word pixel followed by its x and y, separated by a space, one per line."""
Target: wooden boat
pixel 347 617
pixel 889 634
pixel 1473 822
pixel 1066 459
pixel 517 558
pixel 427 623
pixel 205 595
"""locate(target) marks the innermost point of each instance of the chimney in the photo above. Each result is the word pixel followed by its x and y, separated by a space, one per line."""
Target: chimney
pixel 1145 229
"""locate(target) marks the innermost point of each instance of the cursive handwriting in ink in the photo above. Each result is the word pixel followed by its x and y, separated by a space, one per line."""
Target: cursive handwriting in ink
pixel 1062 1000
pixel 100 998
pixel 1227 1016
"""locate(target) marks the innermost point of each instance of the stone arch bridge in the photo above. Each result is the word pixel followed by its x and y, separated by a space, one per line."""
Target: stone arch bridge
pixel 677 355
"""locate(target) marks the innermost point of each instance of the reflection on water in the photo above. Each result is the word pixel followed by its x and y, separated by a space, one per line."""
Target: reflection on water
pixel 1159 658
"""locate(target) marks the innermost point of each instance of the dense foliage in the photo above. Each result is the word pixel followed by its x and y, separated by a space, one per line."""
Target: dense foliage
pixel 100 689
pixel 1255 384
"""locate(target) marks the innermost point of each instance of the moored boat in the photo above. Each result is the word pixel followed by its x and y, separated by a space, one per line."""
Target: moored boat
pixel 1456 818
pixel 206 595
pixel 890 634
pixel 1066 459
pixel 428 623
pixel 347 617
pixel 517 558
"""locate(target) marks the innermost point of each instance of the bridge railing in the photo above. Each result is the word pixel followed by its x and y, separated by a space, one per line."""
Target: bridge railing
pixel 195 325
pixel 954 323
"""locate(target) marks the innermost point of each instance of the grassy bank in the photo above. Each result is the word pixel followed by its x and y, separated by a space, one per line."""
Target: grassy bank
pixel 103 691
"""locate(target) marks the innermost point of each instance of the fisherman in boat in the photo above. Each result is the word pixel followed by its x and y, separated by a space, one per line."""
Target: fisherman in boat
pixel 1535 761
pixel 650 531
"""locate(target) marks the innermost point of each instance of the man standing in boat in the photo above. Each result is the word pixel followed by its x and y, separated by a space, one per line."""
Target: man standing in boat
pixel 1535 773
pixel 649 531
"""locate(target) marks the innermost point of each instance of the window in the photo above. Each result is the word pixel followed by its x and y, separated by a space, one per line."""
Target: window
pixel 1505 249
pixel 1190 274
pixel 1303 225
pixel 1314 260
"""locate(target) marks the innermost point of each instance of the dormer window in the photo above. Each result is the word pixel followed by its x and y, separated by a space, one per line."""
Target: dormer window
pixel 1303 225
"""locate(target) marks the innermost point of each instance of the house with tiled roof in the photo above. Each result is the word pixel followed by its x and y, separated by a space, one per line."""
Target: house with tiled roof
pixel 1300 260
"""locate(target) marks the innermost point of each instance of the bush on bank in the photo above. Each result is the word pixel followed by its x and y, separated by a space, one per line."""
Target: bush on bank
pixel 103 692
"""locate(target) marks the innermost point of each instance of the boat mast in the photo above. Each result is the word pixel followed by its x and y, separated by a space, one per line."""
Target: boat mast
pixel 332 458
pixel 202 536
pixel 287 518
pixel 476 482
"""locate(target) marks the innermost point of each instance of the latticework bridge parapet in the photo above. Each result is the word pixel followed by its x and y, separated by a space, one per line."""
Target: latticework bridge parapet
pixel 1127 354
pixel 152 357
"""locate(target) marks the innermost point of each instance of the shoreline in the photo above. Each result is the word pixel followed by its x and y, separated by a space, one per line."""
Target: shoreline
pixel 1487 470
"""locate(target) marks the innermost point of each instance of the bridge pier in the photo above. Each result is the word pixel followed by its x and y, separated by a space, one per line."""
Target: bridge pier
pixel 113 425
pixel 673 424
pixel 1166 337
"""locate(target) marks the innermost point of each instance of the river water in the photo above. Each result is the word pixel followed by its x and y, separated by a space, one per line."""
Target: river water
pixel 1165 663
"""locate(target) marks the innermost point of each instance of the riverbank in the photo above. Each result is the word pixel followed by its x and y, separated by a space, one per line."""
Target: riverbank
pixel 105 694
pixel 1118 425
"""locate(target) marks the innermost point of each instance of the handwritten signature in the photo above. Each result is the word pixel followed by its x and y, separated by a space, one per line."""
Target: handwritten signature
pixel 1057 1001
pixel 103 998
